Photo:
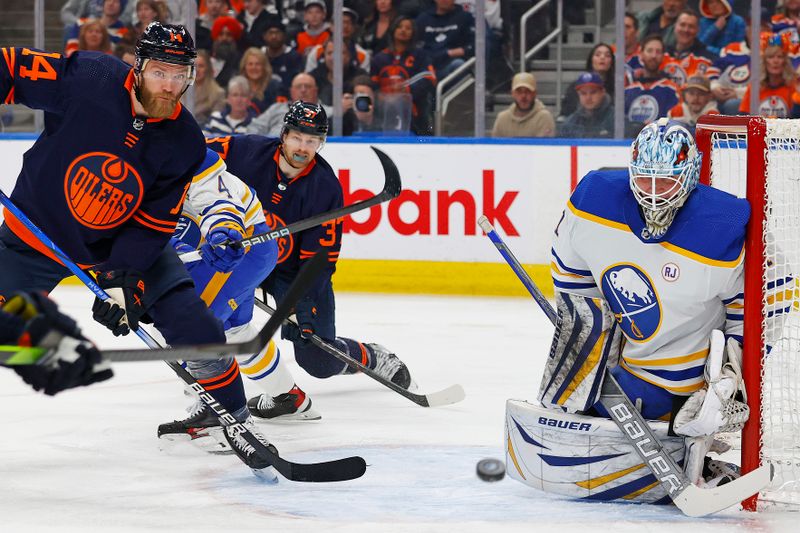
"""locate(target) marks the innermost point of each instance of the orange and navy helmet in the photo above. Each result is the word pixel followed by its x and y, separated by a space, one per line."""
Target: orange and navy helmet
pixel 306 117
pixel 170 43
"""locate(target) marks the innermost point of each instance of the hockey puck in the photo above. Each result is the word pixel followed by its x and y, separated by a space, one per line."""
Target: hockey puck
pixel 490 470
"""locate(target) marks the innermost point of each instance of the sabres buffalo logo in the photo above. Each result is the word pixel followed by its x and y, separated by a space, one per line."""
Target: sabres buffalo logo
pixel 632 296
pixel 102 190
pixel 285 244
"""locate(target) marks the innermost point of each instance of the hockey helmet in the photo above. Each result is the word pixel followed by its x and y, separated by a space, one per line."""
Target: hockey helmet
pixel 169 43
pixel 306 117
pixel 664 170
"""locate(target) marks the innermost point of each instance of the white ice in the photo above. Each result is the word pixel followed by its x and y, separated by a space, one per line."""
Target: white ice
pixel 89 460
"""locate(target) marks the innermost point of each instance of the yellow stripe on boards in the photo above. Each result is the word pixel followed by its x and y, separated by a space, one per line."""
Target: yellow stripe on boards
pixel 431 277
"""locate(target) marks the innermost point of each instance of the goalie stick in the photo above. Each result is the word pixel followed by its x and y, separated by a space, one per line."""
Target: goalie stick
pixel 689 498
pixel 261 455
pixel 391 189
pixel 448 396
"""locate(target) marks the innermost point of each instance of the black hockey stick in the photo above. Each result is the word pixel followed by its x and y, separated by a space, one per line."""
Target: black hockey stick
pixel 689 498
pixel 259 454
pixel 391 189
pixel 450 395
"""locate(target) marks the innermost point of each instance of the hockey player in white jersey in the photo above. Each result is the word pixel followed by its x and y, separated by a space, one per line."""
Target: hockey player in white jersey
pixel 646 264
pixel 220 208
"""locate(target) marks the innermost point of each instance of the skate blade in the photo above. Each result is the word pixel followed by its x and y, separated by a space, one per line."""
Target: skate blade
pixel 207 443
pixel 267 475
pixel 306 416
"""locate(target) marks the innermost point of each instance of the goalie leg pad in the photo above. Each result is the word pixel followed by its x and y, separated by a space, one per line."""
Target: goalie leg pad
pixel 580 456
pixel 586 342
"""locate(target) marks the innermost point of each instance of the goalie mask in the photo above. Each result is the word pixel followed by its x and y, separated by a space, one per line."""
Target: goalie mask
pixel 664 170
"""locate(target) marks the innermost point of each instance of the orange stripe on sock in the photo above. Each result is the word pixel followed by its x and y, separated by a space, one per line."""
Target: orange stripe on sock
pixel 364 357
pixel 234 367
pixel 224 383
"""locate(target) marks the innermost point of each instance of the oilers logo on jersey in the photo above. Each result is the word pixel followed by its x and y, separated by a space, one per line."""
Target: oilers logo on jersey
pixel 102 190
pixel 773 106
pixel 632 297
pixel 644 109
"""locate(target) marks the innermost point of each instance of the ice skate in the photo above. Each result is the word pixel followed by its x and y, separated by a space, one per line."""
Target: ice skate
pixel 389 366
pixel 202 428
pixel 289 406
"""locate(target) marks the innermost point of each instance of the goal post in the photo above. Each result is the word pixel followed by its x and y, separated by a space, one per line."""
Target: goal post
pixel 759 159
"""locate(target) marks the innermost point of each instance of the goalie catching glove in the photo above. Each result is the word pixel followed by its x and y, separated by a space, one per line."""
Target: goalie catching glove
pixel 70 361
pixel 123 311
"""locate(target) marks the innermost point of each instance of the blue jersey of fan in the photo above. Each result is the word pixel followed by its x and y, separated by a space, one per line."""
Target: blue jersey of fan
pixel 667 294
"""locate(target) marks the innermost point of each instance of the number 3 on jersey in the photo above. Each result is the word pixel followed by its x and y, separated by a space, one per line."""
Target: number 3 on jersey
pixel 41 69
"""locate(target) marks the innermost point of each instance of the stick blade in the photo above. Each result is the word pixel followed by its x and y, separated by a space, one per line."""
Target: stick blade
pixel 393 184
pixel 327 472
pixel 696 501
pixel 450 395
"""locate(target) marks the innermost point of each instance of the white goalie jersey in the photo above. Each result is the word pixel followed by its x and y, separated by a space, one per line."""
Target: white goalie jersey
pixel 218 198
pixel 666 294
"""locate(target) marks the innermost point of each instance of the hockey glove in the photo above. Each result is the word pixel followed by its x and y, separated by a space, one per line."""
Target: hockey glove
pixel 71 361
pixel 305 315
pixel 123 311
pixel 218 252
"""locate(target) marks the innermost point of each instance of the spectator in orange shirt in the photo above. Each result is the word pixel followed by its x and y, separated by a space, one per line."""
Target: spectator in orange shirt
pixel 777 84
pixel 696 100
pixel 315 30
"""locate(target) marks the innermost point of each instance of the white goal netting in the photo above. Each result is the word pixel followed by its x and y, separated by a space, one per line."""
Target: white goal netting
pixel 780 266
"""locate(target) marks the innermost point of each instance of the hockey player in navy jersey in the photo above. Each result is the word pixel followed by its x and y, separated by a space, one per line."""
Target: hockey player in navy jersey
pixel 648 270
pixel 294 183
pixel 70 360
pixel 106 182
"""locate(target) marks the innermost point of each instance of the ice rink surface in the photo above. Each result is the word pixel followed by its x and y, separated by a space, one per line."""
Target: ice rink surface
pixel 89 460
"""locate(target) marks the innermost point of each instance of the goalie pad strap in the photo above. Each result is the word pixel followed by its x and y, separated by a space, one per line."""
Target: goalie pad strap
pixel 586 342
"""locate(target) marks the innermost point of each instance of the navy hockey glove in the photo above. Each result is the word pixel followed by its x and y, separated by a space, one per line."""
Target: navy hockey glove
pixel 126 307
pixel 305 314
pixel 218 252
pixel 70 361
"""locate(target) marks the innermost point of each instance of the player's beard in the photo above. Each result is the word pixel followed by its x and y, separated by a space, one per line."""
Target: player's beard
pixel 160 105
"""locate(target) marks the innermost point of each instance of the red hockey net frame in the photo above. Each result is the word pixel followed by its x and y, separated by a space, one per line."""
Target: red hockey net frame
pixel 755 129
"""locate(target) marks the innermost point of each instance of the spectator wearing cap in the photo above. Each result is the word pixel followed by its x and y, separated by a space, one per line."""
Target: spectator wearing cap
pixel 526 116
pixel 285 61
pixel 376 29
pixel 661 21
pixel 696 100
pixel 719 25
pixel 254 18
pixel 594 117
pixel 447 33
pixel 315 30
pixel 359 56
pixel 237 115
pixel 225 54
pixel 601 61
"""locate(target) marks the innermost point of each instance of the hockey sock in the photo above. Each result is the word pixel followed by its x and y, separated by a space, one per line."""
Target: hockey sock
pixel 226 387
pixel 356 350
pixel 268 370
